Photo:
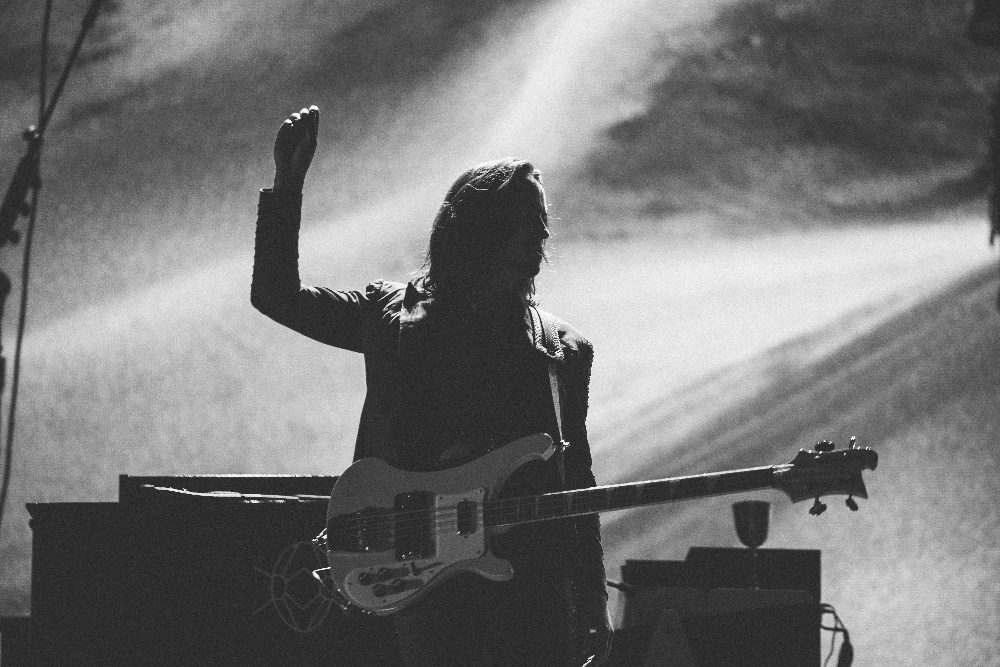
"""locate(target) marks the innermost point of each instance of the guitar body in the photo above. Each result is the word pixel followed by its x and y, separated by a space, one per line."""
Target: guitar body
pixel 393 535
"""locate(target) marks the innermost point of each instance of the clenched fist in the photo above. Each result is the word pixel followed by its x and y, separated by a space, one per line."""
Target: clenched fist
pixel 294 148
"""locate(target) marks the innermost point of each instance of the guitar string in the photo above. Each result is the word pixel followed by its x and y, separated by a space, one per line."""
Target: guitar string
pixel 566 500
pixel 590 500
pixel 445 525
pixel 499 506
pixel 448 516
pixel 444 520
pixel 569 501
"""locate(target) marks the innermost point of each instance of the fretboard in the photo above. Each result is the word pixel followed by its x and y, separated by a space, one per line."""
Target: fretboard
pixel 525 509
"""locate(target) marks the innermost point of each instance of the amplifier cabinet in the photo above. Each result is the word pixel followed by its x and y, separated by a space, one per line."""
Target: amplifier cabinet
pixel 724 608
pixel 187 580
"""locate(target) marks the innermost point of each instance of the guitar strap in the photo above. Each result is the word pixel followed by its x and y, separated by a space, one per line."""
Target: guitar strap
pixel 545 335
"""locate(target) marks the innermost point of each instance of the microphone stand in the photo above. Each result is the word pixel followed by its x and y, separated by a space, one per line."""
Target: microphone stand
pixel 5 286
pixel 27 178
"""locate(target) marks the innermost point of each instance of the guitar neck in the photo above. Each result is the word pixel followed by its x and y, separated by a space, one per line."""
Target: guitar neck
pixel 526 509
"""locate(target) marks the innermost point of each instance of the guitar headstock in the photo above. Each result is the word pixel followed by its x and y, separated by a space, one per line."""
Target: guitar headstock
pixel 827 470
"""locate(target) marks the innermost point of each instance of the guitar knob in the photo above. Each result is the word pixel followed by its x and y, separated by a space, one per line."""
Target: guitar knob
pixel 817 508
pixel 825 446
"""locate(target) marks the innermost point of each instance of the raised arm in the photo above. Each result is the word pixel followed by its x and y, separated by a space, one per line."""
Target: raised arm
pixel 331 317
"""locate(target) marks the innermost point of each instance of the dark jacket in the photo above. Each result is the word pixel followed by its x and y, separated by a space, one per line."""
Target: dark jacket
pixel 388 317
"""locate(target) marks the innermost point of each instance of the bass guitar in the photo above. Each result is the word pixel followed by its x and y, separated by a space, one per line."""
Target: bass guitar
pixel 392 536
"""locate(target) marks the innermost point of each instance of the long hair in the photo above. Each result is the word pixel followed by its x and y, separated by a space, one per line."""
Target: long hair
pixel 482 208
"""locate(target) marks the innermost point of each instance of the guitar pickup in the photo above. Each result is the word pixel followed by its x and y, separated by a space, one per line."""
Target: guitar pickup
pixel 466 514
pixel 415 525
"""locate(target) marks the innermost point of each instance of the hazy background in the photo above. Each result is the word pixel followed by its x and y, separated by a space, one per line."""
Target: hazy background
pixel 770 224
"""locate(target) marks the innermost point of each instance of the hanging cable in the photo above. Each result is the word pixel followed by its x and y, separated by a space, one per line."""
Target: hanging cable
pixel 846 655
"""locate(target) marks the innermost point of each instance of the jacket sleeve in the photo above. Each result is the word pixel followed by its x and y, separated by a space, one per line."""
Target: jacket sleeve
pixel 589 566
pixel 328 316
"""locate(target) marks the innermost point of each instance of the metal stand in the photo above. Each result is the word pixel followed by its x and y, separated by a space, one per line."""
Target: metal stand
pixel 27 179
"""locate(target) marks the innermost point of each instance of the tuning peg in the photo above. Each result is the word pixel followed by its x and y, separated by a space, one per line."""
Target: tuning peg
pixel 818 507
pixel 825 446
pixel 851 503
